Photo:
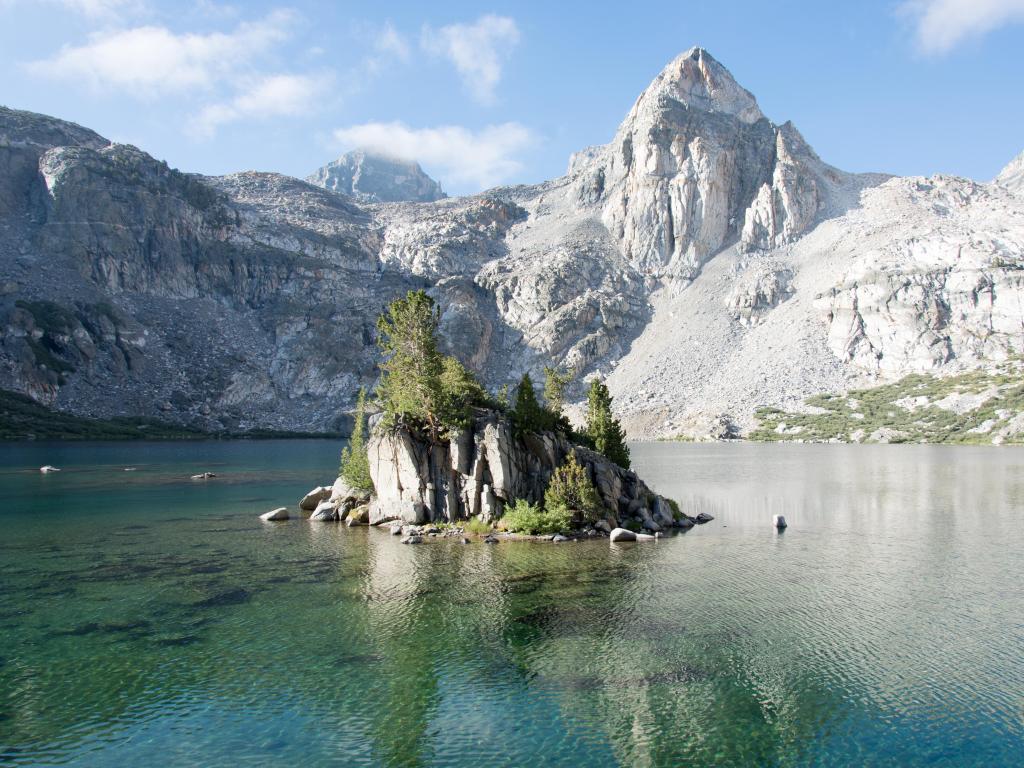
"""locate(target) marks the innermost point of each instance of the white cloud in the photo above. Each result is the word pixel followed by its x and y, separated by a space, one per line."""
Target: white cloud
pixel 266 97
pixel 477 50
pixel 150 61
pixel 388 45
pixel 390 40
pixel 459 156
pixel 943 24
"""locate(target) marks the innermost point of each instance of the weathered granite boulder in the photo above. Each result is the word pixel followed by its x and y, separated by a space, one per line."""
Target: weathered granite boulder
pixel 358 516
pixel 342 492
pixel 275 515
pixel 488 465
pixel 326 511
pixel 313 498
pixel 622 534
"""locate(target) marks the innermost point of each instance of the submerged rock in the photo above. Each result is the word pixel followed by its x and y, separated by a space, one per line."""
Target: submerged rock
pixel 203 476
pixel 275 515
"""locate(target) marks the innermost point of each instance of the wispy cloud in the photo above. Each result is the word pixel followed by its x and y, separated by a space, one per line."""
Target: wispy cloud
pixel 264 98
pixel 150 61
pixel 388 45
pixel 456 154
pixel 944 24
pixel 477 50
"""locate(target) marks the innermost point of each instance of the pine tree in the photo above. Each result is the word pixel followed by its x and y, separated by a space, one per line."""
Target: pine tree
pixel 603 428
pixel 570 488
pixel 527 413
pixel 355 465
pixel 555 382
pixel 410 385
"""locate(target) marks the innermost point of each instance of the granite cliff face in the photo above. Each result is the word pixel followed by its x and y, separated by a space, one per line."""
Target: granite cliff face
pixel 705 261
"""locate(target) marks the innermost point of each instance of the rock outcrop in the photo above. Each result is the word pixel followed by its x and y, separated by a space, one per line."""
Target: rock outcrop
pixel 483 468
pixel 376 178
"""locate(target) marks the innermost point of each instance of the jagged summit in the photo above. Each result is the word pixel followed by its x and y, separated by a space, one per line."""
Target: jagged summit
pixel 697 80
pixel 1012 176
pixel 375 177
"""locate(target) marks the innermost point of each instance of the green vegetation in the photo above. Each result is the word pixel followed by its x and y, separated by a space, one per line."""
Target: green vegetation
pixel 419 386
pixel 603 429
pixel 355 465
pixel 478 526
pixel 917 408
pixel 570 488
pixel 529 416
pixel 524 517
pixel 555 382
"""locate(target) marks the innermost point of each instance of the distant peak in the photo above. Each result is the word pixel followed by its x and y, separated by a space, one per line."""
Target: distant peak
pixel 377 177
pixel 696 79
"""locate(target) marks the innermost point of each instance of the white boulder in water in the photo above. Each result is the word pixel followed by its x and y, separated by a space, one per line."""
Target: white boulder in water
pixel 275 515
pixel 326 511
pixel 313 498
pixel 48 469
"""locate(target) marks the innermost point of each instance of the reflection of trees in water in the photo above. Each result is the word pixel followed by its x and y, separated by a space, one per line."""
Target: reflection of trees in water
pixel 620 652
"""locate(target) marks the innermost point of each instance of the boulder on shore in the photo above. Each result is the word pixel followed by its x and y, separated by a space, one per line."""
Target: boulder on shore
pixel 622 534
pixel 325 511
pixel 342 492
pixel 275 515
pixel 358 516
pixel 310 500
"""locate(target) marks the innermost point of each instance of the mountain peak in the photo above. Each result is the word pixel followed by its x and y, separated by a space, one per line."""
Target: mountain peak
pixel 376 177
pixel 1012 176
pixel 695 78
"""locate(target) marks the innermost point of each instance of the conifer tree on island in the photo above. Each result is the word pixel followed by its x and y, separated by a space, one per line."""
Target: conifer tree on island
pixel 419 386
pixel 603 428
pixel 355 465
pixel 555 382
pixel 410 384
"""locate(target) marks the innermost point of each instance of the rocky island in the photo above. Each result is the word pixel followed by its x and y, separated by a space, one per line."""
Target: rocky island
pixel 444 456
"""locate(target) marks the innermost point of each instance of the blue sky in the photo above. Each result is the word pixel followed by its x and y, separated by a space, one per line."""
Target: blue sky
pixel 503 92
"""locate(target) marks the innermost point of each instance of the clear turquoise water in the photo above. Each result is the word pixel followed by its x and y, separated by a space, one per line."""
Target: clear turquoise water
pixel 147 619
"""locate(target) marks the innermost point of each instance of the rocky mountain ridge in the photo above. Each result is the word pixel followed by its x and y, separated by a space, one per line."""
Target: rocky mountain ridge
pixel 706 261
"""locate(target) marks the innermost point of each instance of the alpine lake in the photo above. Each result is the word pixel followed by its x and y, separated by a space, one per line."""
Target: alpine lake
pixel 150 619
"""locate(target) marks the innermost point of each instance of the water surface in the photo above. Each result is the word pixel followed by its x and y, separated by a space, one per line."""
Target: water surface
pixel 148 619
